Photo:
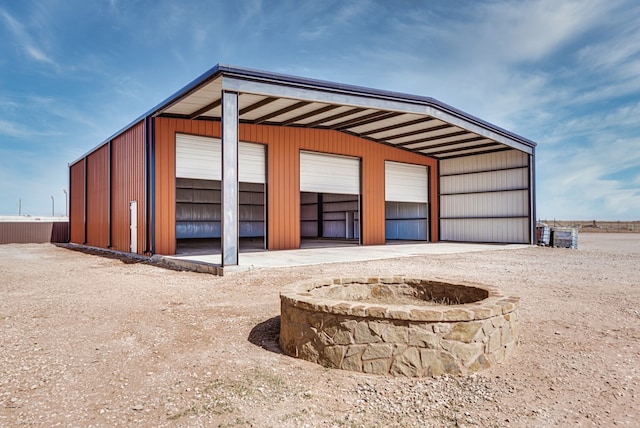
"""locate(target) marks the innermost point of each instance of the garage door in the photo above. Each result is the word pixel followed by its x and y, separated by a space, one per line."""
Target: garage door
pixel 201 158
pixel 324 173
pixel 405 182
pixel 198 187
pixel 406 201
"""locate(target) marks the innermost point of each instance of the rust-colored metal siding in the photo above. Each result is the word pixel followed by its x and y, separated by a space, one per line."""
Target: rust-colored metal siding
pixel 127 184
pixel 165 175
pixel 98 198
pixel 36 232
pixel 76 202
pixel 283 154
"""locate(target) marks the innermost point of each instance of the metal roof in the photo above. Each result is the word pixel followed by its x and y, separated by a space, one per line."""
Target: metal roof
pixel 415 123
pixel 419 124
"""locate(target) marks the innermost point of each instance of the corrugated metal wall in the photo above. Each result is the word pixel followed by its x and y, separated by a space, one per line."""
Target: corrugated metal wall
pixel 127 184
pixel 25 232
pixel 76 202
pixel 283 177
pixel 98 198
pixel 107 204
pixel 485 198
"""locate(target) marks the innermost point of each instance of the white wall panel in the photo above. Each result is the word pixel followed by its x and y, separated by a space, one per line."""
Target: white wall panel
pixel 485 181
pixel 405 182
pixel 324 173
pixel 485 198
pixel 512 230
pixel 484 162
pixel 494 204
pixel 201 158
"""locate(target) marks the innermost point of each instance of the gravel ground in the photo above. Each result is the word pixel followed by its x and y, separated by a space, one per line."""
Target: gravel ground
pixel 92 341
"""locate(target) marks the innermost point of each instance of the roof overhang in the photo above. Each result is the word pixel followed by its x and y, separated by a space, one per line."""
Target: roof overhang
pixel 418 124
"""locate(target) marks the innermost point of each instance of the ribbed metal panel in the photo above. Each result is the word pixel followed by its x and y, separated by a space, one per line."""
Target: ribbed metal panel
pixel 127 184
pixel 283 207
pixel 406 183
pixel 76 203
pixel 251 163
pixel 201 158
pixel 484 162
pixel 25 232
pixel 98 198
pixel 485 181
pixel 494 204
pixel 322 173
pixel 485 198
pixel 198 209
pixel 198 157
pixel 512 230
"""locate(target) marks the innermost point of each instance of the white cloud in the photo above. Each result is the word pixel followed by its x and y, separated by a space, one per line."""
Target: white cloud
pixel 25 41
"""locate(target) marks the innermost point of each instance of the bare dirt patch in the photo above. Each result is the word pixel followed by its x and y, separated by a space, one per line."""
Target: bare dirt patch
pixel 92 341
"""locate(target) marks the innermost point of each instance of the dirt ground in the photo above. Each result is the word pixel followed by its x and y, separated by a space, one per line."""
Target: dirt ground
pixel 92 341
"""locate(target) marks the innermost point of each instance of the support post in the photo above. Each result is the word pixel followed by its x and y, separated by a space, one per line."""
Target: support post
pixel 230 241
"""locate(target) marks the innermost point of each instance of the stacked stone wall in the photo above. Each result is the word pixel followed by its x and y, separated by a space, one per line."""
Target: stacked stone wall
pixel 409 340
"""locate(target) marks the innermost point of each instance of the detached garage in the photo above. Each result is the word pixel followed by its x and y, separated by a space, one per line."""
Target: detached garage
pixel 242 159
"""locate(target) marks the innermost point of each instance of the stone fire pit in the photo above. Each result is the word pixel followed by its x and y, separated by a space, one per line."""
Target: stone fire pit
pixel 397 325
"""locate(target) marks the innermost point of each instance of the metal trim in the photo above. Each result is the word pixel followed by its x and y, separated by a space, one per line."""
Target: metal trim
pixel 483 171
pixel 480 152
pixel 485 192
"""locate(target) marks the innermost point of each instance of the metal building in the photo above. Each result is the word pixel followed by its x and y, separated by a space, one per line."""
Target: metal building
pixel 240 155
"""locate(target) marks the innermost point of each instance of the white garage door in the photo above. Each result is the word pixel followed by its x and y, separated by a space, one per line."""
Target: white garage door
pixel 405 182
pixel 324 173
pixel 201 158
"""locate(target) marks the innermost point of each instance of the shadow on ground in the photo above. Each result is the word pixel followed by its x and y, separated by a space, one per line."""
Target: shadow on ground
pixel 267 335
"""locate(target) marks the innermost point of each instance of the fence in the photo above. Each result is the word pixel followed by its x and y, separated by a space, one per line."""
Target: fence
pixel 36 232
pixel 594 226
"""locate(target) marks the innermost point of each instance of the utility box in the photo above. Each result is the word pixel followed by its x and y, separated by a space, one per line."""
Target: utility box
pixel 564 237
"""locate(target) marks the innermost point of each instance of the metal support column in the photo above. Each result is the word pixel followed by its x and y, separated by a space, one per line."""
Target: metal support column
pixel 230 191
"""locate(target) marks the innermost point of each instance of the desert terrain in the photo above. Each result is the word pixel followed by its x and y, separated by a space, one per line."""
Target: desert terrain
pixel 92 341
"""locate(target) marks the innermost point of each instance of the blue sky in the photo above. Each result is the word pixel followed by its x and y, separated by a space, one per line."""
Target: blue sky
pixel 565 74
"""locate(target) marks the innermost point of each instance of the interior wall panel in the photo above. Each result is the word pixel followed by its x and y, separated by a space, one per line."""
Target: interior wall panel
pixel 485 198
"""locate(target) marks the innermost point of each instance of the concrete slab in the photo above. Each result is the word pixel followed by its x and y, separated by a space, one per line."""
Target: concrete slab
pixel 314 256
